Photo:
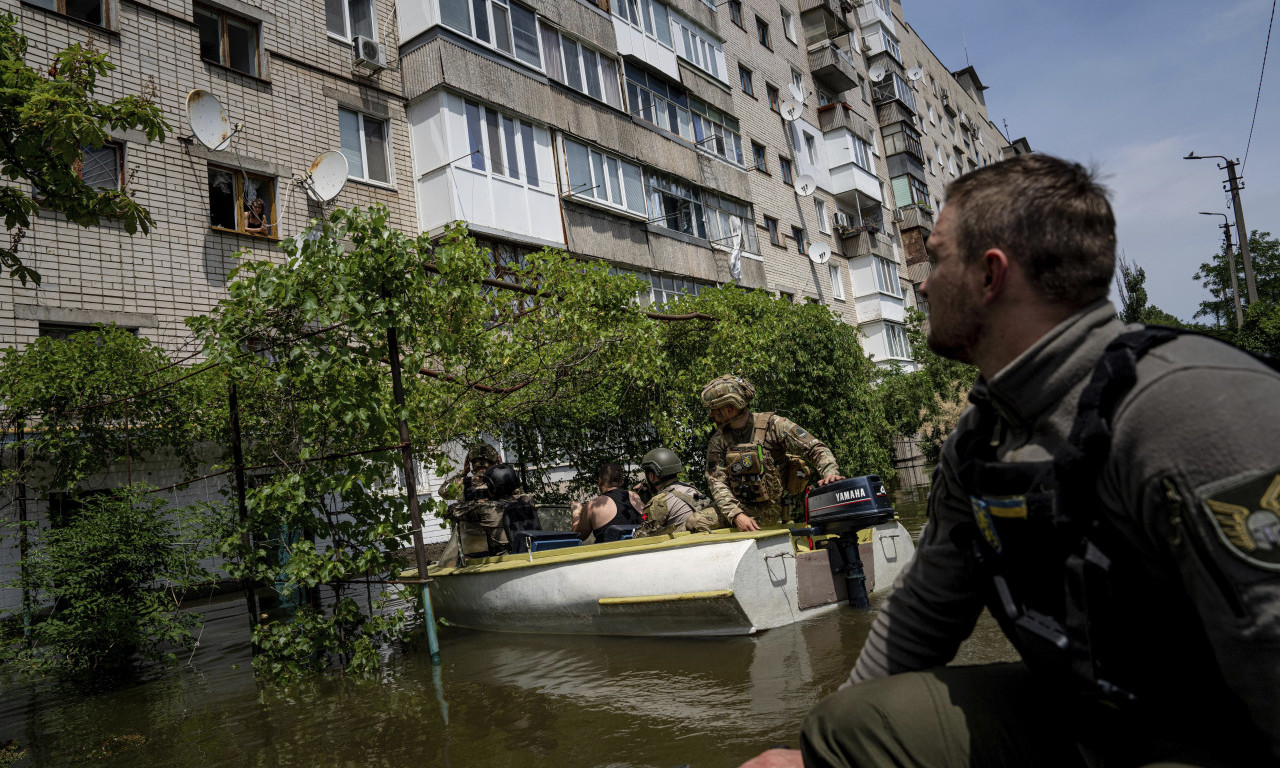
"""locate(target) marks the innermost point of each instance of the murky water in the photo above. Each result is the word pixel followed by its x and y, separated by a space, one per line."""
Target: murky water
pixel 497 700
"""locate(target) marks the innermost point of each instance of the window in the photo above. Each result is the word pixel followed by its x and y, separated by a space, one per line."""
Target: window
pixel 886 273
pixel 774 101
pixel 503 146
pixel 933 116
pixel 725 219
pixel 797 80
pixel 758 152
pixel 647 16
pixel 771 224
pixel 896 341
pixel 891 45
pixel 666 288
pixel 671 109
pixel 825 98
pixel 605 178
pixel 228 40
pixel 581 67
pixel 762 33
pixel 242 202
pixel 364 142
pixel 349 18
pixel 908 190
pixel 788 25
pixel 824 226
pixel 735 12
pixel 507 26
pixel 811 149
pixel 676 205
pixel 837 281
pixel 861 153
pixel 92 11
pixel 797 234
pixel 785 165
pixel 699 48
pixel 744 77
pixel 102 168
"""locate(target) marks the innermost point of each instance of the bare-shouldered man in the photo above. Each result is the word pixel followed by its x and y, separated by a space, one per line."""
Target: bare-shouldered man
pixel 614 506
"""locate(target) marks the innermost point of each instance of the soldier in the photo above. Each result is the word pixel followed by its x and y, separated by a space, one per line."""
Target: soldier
pixel 754 458
pixel 1099 498
pixel 675 506
pixel 468 485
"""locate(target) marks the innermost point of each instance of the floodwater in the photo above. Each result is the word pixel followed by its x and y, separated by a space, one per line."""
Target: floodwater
pixel 497 700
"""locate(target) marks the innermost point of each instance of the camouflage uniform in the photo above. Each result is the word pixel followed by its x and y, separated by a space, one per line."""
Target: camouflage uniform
pixel 675 507
pixel 745 466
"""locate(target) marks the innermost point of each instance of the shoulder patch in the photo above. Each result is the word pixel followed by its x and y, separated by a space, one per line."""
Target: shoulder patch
pixel 799 432
pixel 1245 513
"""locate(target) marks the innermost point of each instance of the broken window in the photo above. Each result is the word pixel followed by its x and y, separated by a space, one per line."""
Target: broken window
pixel 102 168
pixel 92 11
pixel 242 202
pixel 228 40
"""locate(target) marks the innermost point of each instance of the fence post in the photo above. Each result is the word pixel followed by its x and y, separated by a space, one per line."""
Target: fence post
pixel 246 540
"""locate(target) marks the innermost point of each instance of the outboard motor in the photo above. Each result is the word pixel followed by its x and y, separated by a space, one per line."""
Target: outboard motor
pixel 844 508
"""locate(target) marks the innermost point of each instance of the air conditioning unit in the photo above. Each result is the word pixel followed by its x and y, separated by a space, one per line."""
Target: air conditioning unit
pixel 843 221
pixel 369 54
pixel 898 215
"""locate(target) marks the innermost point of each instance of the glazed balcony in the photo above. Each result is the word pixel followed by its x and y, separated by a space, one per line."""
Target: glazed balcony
pixel 877 12
pixel 893 88
pixel 833 14
pixel 832 67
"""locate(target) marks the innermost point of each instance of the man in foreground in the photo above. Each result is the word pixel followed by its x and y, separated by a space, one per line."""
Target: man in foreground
pixel 753 459
pixel 1113 497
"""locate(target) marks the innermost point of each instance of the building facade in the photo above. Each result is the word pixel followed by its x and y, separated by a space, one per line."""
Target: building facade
pixel 800 147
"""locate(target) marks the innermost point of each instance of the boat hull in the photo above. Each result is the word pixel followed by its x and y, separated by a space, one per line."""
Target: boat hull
pixel 719 583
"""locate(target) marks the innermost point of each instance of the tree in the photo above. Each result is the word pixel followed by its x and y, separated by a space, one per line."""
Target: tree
pixel 1131 287
pixel 1215 277
pixel 318 413
pixel 47 119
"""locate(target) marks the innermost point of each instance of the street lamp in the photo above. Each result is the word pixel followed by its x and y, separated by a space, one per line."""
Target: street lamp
pixel 1234 185
pixel 1231 261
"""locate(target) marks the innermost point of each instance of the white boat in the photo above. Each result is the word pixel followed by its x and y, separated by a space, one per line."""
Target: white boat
pixel 719 583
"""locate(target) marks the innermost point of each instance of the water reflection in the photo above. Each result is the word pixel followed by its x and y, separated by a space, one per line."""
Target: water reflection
pixel 535 699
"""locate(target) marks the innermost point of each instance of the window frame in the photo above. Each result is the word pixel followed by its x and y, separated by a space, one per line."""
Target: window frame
pixel 348 37
pixel 788 24
pixel 760 156
pixel 771 225
pixel 888 280
pixel 745 82
pixel 798 234
pixel 820 209
pixel 364 148
pixel 119 149
pixel 762 33
pixel 224 51
pixel 510 130
pixel 775 98
pixel 239 177
pixel 787 170
pixel 105 8
pixel 897 342
pixel 509 28
pixel 599 193
pixel 546 31
pixel 735 13
pixel 623 8
pixel 837 281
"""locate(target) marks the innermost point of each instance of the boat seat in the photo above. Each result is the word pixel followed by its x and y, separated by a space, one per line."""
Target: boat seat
pixel 537 541
pixel 617 532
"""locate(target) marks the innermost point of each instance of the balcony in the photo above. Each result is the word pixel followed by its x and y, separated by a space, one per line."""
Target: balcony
pixel 892 88
pixel 877 12
pixel 833 14
pixel 858 242
pixel 833 117
pixel 832 67
pixel 916 217
pixel 902 142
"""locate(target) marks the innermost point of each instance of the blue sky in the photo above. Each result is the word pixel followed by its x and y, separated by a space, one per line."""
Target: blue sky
pixel 1131 87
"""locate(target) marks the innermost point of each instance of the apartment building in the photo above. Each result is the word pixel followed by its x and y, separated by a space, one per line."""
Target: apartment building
pixel 799 146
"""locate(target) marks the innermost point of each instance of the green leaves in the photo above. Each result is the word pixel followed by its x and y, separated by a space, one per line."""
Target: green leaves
pixel 47 119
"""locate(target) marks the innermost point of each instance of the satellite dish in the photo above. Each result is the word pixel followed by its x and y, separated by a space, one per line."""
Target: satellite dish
pixel 915 73
pixel 791 109
pixel 797 92
pixel 327 175
pixel 877 73
pixel 208 119
pixel 806 185
pixel 819 253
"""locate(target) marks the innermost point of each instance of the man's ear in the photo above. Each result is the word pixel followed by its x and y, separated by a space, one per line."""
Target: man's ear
pixel 996 272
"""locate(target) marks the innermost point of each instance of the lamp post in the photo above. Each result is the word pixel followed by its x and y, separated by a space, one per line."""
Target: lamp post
pixel 1231 263
pixel 1233 184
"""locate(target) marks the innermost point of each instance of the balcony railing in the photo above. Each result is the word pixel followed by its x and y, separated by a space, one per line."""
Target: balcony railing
pixel 862 242
pixel 893 87
pixel 832 67
pixel 896 143
pixel 916 217
pixel 833 9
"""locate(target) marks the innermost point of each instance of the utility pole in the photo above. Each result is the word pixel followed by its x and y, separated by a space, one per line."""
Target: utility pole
pixel 1231 263
pixel 1234 185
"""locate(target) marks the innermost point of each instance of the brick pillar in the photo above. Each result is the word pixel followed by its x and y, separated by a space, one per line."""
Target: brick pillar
pixel 913 245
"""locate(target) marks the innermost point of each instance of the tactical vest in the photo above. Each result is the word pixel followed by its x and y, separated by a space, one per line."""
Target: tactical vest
pixel 689 495
pixel 752 469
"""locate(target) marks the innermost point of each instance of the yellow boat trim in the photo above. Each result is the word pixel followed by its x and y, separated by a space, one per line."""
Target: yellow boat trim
pixel 594 551
pixel 674 598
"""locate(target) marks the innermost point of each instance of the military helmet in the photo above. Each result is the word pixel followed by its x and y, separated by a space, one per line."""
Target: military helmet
pixel 663 462
pixel 484 451
pixel 502 480
pixel 727 390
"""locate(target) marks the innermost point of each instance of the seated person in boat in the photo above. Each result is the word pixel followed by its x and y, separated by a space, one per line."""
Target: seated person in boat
pixel 614 506
pixel 755 460
pixel 468 485
pixel 495 500
pixel 675 505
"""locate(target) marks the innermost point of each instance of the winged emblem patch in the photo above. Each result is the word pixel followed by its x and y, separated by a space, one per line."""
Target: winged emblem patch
pixel 1246 515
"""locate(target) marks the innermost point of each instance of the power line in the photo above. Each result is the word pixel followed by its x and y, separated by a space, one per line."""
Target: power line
pixel 1258 100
